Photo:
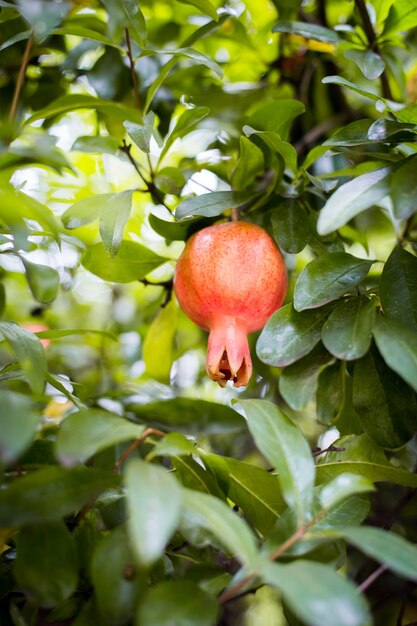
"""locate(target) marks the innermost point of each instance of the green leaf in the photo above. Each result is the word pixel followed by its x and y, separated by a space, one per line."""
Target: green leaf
pixel 183 126
pixel 317 594
pixel 404 189
pixel 275 143
pixel 51 493
pixel 43 281
pixel 85 33
pixel 342 82
pixel 386 547
pixel 289 335
pixel 204 6
pixel 385 404
pixel 253 489
pixel 347 333
pixel 194 476
pixel 215 516
pixel 398 287
pixel 211 204
pixel 86 432
pixel 116 594
pixel 2 299
pixel 307 30
pixel 170 180
pixel 370 63
pixel 96 144
pixel 298 382
pixel 135 21
pixel 177 603
pixel 276 116
pixel 46 565
pixel 352 198
pixel 330 393
pixel 177 231
pixel 353 134
pixel 43 16
pixel 141 133
pixel 133 262
pixel 73 102
pixel 158 347
pixel 113 217
pixel 342 487
pixel 398 346
pixel 154 507
pixel 86 210
pixel 69 332
pixel 402 16
pixel 29 352
pixel 250 163
pixel 189 415
pixel 173 444
pixel 291 226
pixel 16 206
pixel 327 278
pixel 18 425
pixel 284 446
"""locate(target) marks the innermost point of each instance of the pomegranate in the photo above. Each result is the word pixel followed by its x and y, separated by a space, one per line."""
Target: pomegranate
pixel 229 280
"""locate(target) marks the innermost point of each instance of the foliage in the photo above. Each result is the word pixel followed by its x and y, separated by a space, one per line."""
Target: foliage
pixel 134 490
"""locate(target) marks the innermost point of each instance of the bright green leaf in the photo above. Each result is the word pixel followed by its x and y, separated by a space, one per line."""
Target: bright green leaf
pixel 29 352
pixel 133 262
pixel 43 281
pixel 158 346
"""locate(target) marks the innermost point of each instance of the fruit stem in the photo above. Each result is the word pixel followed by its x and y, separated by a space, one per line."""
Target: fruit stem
pixel 235 214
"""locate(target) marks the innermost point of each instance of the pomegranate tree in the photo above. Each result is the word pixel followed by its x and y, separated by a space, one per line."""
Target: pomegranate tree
pixel 229 280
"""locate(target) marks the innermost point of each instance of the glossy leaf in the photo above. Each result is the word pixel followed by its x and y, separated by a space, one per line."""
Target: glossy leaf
pixel 275 143
pixel 133 262
pixel 342 487
pixel 211 204
pixel 398 287
pixel 298 382
pixel 193 475
pixel 43 281
pixel 204 6
pixel 386 547
pixel 135 21
pixel 404 189
pixel 113 217
pixel 154 506
pixel 398 346
pixel 18 425
pixel 84 433
pixel 385 404
pixel 141 133
pixel 289 335
pixel 189 415
pixel 117 594
pixel 307 30
pixel 215 516
pixel 402 16
pixel 347 333
pixel 179 603
pixel 158 346
pixel 250 163
pixel 46 564
pixel 284 446
pixel 370 63
pixel 318 594
pixel 29 352
pixel 173 444
pixel 352 198
pixel 276 116
pixel 184 125
pixel 251 488
pixel 330 392
pixel 327 278
pixel 291 226
pixel 51 493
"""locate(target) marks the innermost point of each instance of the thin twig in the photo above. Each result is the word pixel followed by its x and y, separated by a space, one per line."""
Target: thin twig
pixel 20 78
pixel 168 285
pixel 146 433
pixel 373 42
pixel 317 451
pixel 373 577
pixel 132 70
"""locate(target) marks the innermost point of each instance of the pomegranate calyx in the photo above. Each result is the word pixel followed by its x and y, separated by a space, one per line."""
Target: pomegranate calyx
pixel 228 356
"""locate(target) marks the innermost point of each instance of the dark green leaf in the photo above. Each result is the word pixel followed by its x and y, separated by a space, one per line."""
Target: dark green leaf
pixel 318 594
pixel 113 217
pixel 18 424
pixel 291 226
pixel 177 603
pixel 289 335
pixel 398 346
pixel 354 134
pixel 211 204
pixel 135 21
pixel 51 493
pixel 204 6
pixel 347 333
pixel 173 444
pixel 194 476
pixel 29 352
pixel 352 198
pixel 46 565
pixel 141 133
pixel 330 391
pixel 133 262
pixel 43 281
pixel 283 445
pixel 398 287
pixel 117 594
pixel 189 415
pixel 250 163
pixel 404 189
pixel 177 231
pixel 86 432
pixel 327 278
pixel 385 404
pixel 275 143
pixel 396 552
pixel 154 506
pixel 307 30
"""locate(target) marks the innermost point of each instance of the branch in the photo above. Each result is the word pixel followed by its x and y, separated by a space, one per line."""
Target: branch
pixel 373 577
pixel 146 433
pixel 372 39
pixel 132 70
pixel 166 284
pixel 20 78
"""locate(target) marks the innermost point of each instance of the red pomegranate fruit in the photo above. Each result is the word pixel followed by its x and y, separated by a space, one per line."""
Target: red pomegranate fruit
pixel 229 280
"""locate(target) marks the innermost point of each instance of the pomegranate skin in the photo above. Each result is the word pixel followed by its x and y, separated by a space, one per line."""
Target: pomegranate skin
pixel 229 280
